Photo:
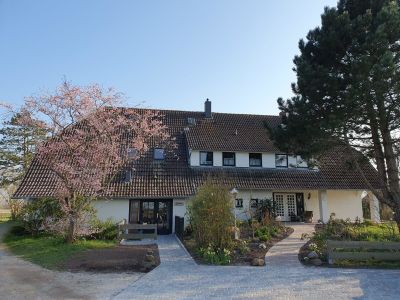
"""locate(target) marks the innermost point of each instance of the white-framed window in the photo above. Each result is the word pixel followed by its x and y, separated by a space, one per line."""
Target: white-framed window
pixel 239 203
pixel 159 154
pixel 255 159
pixel 228 159
pixel 281 160
pixel 206 158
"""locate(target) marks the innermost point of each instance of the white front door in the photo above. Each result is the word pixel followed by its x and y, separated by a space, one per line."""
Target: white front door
pixel 285 205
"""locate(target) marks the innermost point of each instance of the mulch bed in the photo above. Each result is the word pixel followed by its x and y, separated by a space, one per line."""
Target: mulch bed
pixel 116 259
pixel 239 259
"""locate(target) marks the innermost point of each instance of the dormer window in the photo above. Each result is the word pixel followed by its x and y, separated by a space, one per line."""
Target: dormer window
pixel 255 159
pixel 206 158
pixel 228 159
pixel 281 160
pixel 159 154
pixel 128 175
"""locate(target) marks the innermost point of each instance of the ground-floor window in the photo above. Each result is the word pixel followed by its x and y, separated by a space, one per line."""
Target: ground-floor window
pixel 239 203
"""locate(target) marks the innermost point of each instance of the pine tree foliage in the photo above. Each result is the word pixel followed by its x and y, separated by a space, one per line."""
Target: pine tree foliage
pixel 17 147
pixel 348 90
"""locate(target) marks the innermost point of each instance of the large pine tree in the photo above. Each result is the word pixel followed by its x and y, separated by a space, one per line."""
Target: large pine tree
pixel 17 147
pixel 348 90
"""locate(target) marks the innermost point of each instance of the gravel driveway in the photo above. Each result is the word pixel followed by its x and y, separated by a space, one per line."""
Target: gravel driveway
pixel 20 279
pixel 178 277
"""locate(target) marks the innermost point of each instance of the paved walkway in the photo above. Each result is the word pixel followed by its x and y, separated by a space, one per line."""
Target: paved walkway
pixel 283 277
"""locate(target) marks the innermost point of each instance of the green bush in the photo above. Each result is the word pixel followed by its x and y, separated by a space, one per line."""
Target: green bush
pixel 265 238
pixel 35 213
pixel 104 230
pixel 211 217
pixel 215 256
pixel 265 233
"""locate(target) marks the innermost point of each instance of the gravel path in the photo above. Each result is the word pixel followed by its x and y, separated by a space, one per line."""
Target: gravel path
pixel 283 277
pixel 20 279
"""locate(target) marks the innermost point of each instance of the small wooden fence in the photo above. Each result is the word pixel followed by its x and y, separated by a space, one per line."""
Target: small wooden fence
pixel 140 231
pixel 363 250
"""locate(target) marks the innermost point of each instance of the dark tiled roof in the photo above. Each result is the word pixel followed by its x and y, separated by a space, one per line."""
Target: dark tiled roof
pixel 232 132
pixel 174 178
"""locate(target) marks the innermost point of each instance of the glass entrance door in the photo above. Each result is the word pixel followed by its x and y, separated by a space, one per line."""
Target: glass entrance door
pixel 285 206
pixel 152 212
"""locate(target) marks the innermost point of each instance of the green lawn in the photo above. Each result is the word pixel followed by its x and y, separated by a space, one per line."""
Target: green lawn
pixel 49 251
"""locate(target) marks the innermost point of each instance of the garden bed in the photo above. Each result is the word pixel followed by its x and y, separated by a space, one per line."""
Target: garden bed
pixel 340 230
pixel 239 256
pixel 116 259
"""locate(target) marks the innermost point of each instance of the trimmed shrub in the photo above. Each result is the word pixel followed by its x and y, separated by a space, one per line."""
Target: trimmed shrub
pixel 211 217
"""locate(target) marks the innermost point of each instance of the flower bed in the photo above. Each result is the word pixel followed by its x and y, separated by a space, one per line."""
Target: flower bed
pixel 248 250
pixel 314 252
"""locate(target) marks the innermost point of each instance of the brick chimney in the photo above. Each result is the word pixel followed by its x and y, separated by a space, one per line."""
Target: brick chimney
pixel 207 109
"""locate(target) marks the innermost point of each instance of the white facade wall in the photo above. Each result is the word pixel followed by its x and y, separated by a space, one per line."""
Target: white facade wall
pixel 242 159
pixel 116 209
pixel 312 204
pixel 217 156
pixel 268 160
pixel 292 161
pixel 345 204
pixel 194 158
pixel 243 213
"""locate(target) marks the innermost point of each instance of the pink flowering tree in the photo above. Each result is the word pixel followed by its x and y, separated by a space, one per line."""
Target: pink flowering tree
pixel 90 140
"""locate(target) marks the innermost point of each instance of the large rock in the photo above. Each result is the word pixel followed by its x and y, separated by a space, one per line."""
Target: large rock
pixel 257 262
pixel 312 255
pixel 316 261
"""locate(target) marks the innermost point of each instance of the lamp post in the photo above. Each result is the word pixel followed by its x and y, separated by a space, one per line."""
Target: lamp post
pixel 234 193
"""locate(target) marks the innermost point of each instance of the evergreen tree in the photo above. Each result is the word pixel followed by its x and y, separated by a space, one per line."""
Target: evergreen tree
pixel 17 147
pixel 348 91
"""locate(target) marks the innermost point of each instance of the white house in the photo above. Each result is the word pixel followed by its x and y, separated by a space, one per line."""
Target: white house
pixel 235 148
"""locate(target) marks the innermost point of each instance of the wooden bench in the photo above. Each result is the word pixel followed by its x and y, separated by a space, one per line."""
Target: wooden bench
pixel 363 250
pixel 123 231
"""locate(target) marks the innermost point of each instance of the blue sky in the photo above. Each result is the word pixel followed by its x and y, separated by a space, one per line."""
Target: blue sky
pixel 163 54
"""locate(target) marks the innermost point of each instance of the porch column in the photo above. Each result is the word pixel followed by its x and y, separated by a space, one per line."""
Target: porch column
pixel 323 206
pixel 374 208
